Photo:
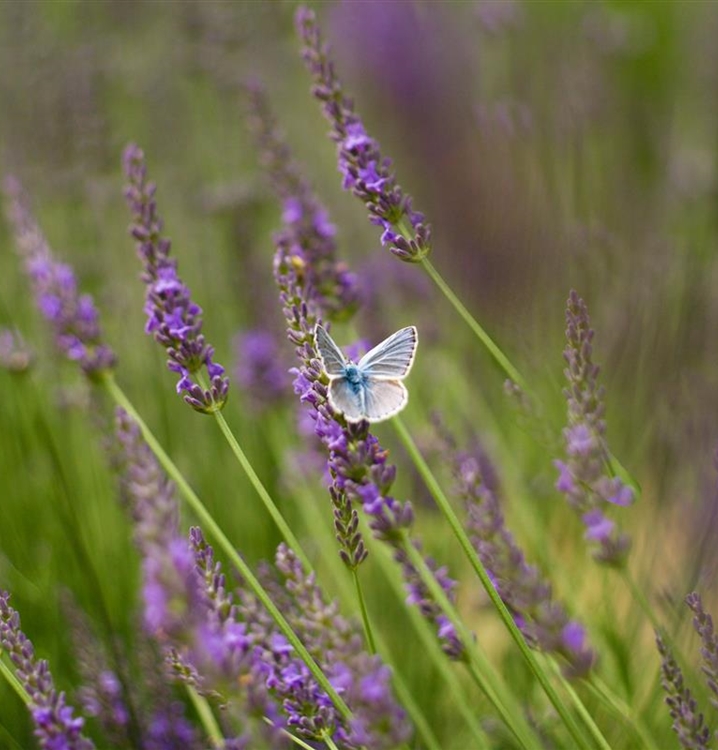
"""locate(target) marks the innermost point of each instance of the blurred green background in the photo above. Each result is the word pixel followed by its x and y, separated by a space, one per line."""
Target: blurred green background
pixel 552 145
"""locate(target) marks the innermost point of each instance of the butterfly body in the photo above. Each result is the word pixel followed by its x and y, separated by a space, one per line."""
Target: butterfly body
pixel 354 377
pixel 370 389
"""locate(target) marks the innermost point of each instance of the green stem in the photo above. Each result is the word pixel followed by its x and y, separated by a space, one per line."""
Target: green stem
pixel 13 681
pixel 431 645
pixel 620 709
pixel 329 742
pixel 206 716
pixel 371 645
pixel 479 666
pixel 465 543
pixel 421 725
pixel 314 520
pixel 287 734
pixel 615 467
pixel 640 598
pixel 499 357
pixel 214 530
pixel 265 497
pixel 580 707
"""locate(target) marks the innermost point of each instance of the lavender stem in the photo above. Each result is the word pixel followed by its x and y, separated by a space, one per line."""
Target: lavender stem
pixel 499 357
pixel 478 665
pixel 13 681
pixel 468 548
pixel 368 633
pixel 213 529
pixel 206 717
pixel 314 520
pixel 260 489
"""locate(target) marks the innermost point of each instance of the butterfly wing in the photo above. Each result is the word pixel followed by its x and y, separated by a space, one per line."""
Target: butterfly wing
pixel 331 355
pixel 346 399
pixel 383 399
pixel 392 359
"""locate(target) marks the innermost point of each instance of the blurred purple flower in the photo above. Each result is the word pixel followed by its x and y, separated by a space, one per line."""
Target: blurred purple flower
pixel 74 318
pixel 173 318
pixel 688 723
pixel 254 654
pixel 365 172
pixel 363 680
pixel 15 355
pixel 703 624
pixel 259 372
pixel 55 726
pixel 583 477
pixel 527 594
pixel 336 290
pixel 171 590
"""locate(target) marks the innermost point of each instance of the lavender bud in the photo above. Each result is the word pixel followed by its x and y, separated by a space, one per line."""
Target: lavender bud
pixel 73 317
pixel 336 291
pixel 527 594
pixel 583 477
pixel 173 318
pixel 688 724
pixel 358 467
pixel 173 600
pixel 703 624
pixel 55 726
pixel 365 171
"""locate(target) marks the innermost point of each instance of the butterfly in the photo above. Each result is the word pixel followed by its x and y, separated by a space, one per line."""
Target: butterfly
pixel 370 389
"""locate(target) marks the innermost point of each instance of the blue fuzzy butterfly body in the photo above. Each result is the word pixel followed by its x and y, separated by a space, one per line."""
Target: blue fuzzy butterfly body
pixel 370 389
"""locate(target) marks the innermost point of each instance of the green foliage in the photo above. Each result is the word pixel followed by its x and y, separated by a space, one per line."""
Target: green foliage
pixel 608 188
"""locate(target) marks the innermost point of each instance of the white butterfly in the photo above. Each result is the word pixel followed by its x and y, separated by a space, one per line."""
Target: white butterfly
pixel 370 389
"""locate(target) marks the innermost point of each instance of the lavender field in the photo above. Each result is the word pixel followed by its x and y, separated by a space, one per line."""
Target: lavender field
pixel 359 378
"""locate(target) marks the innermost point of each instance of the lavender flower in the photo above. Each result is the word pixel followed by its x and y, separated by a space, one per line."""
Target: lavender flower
pixel 543 621
pixel 583 476
pixel 357 463
pixel 74 318
pixel 688 724
pixel 243 640
pixel 102 698
pixel 105 693
pixel 173 600
pixel 366 173
pixel 259 372
pixel 172 317
pixel 132 713
pixel 15 355
pixel 55 726
pixel 335 286
pixel 363 680
pixel 703 624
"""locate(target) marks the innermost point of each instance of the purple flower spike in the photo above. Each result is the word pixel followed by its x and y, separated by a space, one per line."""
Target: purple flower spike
pixel 526 593
pixel 365 171
pixel 55 726
pixel 172 318
pixel 358 467
pixel 74 318
pixel 583 476
pixel 335 286
pixel 703 624
pixel 173 599
pixel 245 643
pixel 688 723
